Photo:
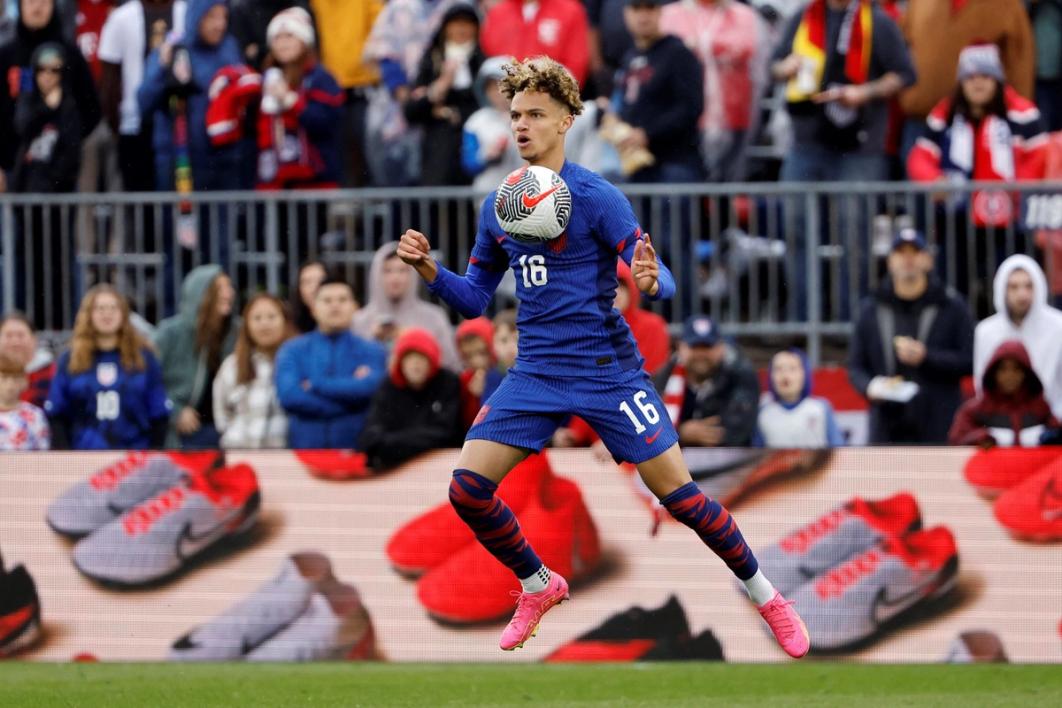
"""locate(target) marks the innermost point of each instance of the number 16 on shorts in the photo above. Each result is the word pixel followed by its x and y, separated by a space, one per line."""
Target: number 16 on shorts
pixel 648 411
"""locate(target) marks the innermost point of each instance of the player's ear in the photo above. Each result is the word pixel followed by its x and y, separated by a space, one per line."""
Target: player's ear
pixel 566 123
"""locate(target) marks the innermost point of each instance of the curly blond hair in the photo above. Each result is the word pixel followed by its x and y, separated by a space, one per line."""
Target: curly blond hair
pixel 544 75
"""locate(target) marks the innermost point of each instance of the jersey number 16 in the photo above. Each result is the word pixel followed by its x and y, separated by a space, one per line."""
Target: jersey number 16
pixel 533 268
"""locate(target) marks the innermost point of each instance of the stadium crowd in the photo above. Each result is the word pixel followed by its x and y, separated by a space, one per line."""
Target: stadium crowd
pixel 203 95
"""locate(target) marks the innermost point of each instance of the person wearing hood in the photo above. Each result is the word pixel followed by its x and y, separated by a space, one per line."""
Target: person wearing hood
pixel 326 379
pixel 191 346
pixel 480 375
pixel 488 152
pixel 183 67
pixel 416 408
pixel 1011 410
pixel 792 417
pixel 394 304
pixel 442 98
pixel 912 346
pixel 38 24
pixel 18 341
pixel 1022 313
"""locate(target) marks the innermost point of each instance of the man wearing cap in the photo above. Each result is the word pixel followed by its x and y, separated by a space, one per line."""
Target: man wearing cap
pixel 709 388
pixel 912 345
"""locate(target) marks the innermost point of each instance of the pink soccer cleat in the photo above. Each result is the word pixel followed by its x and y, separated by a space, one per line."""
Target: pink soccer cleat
pixel 787 626
pixel 529 610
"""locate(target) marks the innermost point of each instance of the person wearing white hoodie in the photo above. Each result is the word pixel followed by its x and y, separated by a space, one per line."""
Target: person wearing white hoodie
pixel 1022 313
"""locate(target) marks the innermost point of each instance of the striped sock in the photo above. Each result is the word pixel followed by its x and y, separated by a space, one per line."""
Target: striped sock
pixel 493 522
pixel 714 525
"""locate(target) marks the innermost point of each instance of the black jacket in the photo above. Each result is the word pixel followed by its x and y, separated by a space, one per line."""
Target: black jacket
pixel 403 423
pixel 733 394
pixel 49 145
pixel 944 324
pixel 17 77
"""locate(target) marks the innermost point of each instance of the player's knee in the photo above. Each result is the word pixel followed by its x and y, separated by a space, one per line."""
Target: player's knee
pixel 469 496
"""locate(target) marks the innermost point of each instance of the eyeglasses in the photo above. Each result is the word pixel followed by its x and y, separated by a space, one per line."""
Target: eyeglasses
pixel 49 69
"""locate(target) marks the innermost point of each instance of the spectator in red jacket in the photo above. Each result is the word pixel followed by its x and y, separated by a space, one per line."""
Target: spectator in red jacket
pixel 481 375
pixel 527 28
pixel 18 341
pixel 1011 410
pixel 649 329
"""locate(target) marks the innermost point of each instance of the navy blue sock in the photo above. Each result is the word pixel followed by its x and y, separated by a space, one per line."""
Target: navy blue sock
pixel 713 523
pixel 493 522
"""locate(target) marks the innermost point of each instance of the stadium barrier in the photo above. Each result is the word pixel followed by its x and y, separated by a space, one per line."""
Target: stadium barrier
pixel 906 599
pixel 763 259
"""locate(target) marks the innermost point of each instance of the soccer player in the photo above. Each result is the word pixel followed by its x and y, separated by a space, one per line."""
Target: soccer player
pixel 576 356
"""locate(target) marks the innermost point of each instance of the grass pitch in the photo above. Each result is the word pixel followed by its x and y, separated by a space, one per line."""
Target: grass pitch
pixel 803 684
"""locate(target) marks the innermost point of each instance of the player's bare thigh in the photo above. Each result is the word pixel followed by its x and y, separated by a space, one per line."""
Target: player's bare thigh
pixel 666 472
pixel 490 459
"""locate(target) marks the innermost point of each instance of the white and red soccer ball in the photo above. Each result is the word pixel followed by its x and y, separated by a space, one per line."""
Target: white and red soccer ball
pixel 533 204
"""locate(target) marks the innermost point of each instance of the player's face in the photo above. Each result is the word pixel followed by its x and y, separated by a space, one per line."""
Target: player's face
pixel 106 315
pixel 787 375
pixel 11 387
pixel 18 341
pixel 538 123
pixel 265 324
pixel 415 369
pixel 1009 377
pixel 334 307
pixel 396 279
pixel 474 353
pixel 1019 298
pixel 505 345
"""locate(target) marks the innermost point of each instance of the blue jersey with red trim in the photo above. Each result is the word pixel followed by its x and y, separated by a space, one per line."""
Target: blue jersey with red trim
pixel 567 324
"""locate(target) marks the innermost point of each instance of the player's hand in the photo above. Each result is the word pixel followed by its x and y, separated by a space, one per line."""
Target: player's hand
pixel 644 266
pixel 414 249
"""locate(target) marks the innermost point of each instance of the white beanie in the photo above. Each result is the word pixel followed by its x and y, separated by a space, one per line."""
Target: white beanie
pixel 980 59
pixel 294 21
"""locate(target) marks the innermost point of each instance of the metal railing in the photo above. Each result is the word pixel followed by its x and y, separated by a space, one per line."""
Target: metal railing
pixel 763 259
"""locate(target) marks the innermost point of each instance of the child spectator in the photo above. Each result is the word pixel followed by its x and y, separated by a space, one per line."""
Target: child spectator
pixel 481 376
pixel 793 418
pixel 108 392
pixel 311 275
pixel 506 339
pixel 18 341
pixel 250 25
pixel 1011 410
pixel 298 120
pixel 22 425
pixel 247 413
pixel 649 329
pixel 488 152
pixel 327 378
pixel 191 346
pixel 416 409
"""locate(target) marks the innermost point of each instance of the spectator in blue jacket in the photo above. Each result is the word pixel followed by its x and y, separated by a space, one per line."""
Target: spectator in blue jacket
pixel 182 69
pixel 107 393
pixel 326 379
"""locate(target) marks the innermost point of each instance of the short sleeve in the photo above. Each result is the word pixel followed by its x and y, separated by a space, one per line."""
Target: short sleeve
pixel 486 251
pixel 111 36
pixel 616 223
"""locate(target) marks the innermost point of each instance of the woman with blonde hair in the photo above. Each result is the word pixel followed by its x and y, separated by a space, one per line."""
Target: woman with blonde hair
pixel 247 413
pixel 107 392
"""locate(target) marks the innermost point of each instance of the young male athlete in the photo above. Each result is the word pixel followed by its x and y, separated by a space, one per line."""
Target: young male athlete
pixel 576 356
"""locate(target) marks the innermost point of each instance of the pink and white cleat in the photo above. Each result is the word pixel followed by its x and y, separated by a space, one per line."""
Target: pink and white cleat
pixel 529 610
pixel 786 626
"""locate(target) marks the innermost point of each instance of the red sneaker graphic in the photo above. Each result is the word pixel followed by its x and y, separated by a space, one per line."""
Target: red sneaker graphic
pixel 1033 509
pixel 992 472
pixel 433 537
pixel 473 586
pixel 335 465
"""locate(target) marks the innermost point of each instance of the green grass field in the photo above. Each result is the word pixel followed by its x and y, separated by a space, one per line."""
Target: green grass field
pixel 805 684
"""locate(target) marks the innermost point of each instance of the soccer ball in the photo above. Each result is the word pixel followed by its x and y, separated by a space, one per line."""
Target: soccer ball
pixel 533 204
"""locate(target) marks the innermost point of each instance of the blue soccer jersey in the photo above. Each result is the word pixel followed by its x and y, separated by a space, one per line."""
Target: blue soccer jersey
pixel 566 287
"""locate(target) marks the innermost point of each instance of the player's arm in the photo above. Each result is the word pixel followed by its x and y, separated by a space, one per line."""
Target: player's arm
pixel 650 275
pixel 619 229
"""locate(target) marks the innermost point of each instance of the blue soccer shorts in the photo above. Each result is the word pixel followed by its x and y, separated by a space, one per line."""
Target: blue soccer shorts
pixel 625 411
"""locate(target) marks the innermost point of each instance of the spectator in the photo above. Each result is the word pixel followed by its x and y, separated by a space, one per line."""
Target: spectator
pixel 649 329
pixel 1022 314
pixel 938 30
pixel 298 120
pixel 481 374
pixel 730 39
pixel 416 408
pixel 506 339
pixel 132 32
pixel 1046 17
pixel 247 413
pixel 38 23
pixel 393 305
pixel 911 348
pixel 311 275
pixel 1011 410
pixel 344 29
pixel 182 68
pixel 23 426
pixel 108 392
pixel 529 28
pixel 191 347
pixel 609 41
pixel 710 389
pixel 792 417
pixel 250 21
pixel 18 342
pixel 327 378
pixel 653 96
pixel 442 98
pixel 488 151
